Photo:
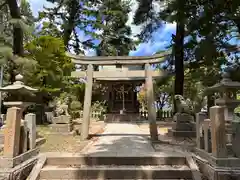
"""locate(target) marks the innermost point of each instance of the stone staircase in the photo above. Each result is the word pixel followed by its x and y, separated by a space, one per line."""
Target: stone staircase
pixel 77 166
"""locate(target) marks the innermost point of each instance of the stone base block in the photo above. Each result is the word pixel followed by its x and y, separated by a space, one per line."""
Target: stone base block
pixel 175 133
pixel 183 126
pixel 20 171
pixel 63 119
pixel 218 173
pixel 232 162
pixel 6 162
pixel 182 117
pixel 60 128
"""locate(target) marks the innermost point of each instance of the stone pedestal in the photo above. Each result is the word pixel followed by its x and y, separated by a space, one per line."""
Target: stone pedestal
pixel 184 125
pixel 63 119
pixel 60 128
pixel 61 124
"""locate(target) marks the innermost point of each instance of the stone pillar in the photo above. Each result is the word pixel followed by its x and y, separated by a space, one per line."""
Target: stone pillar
pixel 218 134
pixel 32 135
pixel 87 103
pixel 150 103
pixel 23 137
pixel 12 132
pixel 207 136
pixel 199 130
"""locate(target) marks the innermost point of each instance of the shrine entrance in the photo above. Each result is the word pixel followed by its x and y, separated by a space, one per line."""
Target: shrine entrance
pixel 121 75
pixel 124 98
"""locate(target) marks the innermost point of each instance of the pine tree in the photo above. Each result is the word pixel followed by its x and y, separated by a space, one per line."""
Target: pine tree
pixel 14 26
pixel 116 36
pixel 70 16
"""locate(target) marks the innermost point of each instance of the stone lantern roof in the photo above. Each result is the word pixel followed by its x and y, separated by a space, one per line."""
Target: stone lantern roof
pixel 18 89
pixel 225 84
pixel 18 85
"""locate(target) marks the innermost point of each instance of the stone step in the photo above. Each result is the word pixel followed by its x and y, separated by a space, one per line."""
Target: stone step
pixel 75 159
pixel 116 172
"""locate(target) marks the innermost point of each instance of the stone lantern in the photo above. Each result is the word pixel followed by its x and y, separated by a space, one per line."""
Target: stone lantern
pixel 16 103
pixel 227 89
pixel 18 92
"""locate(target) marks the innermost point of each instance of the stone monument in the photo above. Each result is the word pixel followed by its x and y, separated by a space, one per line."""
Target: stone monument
pixel 184 119
pixel 61 123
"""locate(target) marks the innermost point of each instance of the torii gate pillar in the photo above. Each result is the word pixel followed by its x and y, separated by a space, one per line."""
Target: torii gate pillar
pixel 150 104
pixel 87 103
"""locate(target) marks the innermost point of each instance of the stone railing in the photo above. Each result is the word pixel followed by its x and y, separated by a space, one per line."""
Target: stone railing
pixel 161 114
pixel 214 140
pixel 96 115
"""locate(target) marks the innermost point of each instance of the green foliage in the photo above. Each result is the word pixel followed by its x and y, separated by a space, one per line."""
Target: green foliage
pixel 74 108
pixel 115 39
pixel 65 23
pixel 209 26
pixel 237 110
pixel 52 64
pixel 99 106
pixel 164 91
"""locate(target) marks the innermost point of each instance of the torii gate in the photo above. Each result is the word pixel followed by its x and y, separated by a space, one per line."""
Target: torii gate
pixel 148 74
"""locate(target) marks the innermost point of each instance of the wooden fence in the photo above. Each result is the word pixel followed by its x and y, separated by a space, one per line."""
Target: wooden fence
pixel 161 114
pixel 94 115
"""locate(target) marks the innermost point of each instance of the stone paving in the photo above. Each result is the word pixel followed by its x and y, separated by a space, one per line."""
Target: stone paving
pixel 122 139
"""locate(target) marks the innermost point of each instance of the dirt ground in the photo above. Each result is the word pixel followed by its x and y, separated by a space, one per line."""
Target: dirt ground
pixel 66 143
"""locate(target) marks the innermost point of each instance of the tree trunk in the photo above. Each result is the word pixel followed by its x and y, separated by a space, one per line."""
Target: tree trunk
pixel 70 24
pixel 17 35
pixel 179 60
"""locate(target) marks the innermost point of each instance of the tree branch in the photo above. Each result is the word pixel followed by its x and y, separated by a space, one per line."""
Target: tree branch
pixel 2 5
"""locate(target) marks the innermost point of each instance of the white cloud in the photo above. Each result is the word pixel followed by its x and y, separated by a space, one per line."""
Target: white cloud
pixel 37 5
pixel 135 29
pixel 170 27
pixel 160 40
pixel 90 52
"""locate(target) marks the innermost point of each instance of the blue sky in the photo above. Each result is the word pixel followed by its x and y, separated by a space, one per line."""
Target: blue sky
pixel 160 40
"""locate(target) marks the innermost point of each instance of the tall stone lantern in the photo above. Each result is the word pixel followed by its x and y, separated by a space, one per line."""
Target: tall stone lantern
pixel 16 103
pixel 227 89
